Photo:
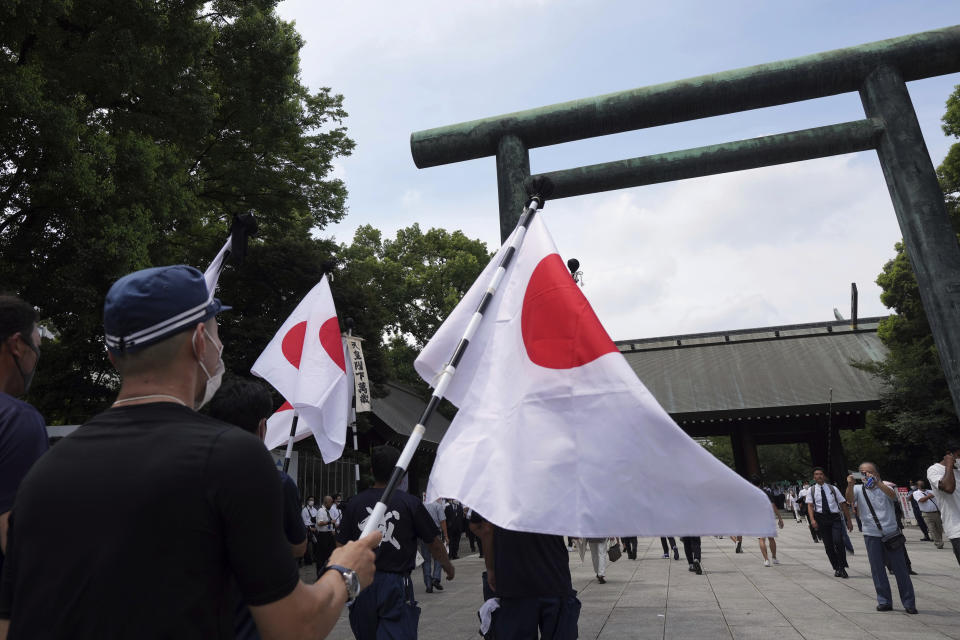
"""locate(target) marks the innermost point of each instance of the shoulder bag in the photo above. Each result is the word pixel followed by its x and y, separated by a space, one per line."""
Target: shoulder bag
pixel 892 541
pixel 613 553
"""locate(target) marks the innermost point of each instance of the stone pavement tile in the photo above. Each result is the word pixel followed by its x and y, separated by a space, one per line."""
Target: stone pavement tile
pixel 620 631
pixel 683 625
pixel 895 621
pixel 633 622
pixel 754 632
pixel 765 617
pixel 912 635
pixel 948 630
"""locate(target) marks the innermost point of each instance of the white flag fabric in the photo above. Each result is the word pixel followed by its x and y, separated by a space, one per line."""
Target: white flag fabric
pixel 555 433
pixel 212 274
pixel 306 362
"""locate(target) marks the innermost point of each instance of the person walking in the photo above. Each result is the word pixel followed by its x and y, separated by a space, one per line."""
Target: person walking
pixel 882 537
pixel 598 555
pixel 739 539
pixel 673 545
pixel 530 574
pixel 432 569
pixel 927 504
pixel 772 540
pixel 793 505
pixel 454 516
pixel 691 549
pixel 388 608
pixel 630 546
pixel 824 506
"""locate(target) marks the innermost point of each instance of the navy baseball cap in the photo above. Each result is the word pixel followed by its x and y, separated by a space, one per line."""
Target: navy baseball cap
pixel 150 305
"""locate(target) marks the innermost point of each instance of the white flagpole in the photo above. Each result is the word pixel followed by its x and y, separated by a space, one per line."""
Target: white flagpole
pixel 293 432
pixel 443 381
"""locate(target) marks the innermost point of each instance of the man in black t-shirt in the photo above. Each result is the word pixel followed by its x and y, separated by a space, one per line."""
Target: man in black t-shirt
pixel 247 404
pixel 530 573
pixel 165 506
pixel 387 609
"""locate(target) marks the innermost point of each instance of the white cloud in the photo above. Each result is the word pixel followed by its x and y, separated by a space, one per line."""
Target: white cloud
pixel 779 245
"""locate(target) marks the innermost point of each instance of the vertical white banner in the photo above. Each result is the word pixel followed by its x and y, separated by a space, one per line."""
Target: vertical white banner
pixel 360 381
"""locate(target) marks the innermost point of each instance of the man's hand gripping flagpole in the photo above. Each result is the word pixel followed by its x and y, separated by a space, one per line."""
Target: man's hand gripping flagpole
pixel 443 381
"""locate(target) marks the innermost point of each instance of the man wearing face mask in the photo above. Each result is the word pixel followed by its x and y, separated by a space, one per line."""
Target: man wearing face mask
pixel 23 433
pixel 168 507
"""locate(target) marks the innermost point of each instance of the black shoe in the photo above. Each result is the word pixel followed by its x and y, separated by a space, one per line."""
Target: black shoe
pixel 696 568
pixel 481 555
pixel 454 557
pixel 843 573
pixel 836 574
pixel 884 607
pixel 926 539
pixel 912 610
pixel 601 580
pixel 676 554
pixel 913 573
pixel 691 568
pixel 437 585
pixel 429 589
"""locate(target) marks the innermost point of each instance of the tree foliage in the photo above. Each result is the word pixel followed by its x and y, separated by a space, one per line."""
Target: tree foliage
pixel 410 284
pixel 131 133
pixel 917 415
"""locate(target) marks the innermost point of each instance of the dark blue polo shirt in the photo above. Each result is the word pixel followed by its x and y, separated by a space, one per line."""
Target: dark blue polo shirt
pixel 23 439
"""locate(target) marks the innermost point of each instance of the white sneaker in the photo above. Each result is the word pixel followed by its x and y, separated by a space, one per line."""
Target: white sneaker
pixel 775 561
pixel 766 563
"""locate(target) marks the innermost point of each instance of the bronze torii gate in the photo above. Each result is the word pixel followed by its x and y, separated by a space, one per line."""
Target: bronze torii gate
pixel 878 71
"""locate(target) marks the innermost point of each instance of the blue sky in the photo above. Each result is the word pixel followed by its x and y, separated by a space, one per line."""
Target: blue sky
pixel 771 246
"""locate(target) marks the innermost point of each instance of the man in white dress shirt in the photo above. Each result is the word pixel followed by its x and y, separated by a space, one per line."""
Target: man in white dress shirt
pixel 943 477
pixel 824 506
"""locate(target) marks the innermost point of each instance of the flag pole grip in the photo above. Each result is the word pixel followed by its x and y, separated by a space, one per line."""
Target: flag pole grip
pixel 536 201
pixel 293 432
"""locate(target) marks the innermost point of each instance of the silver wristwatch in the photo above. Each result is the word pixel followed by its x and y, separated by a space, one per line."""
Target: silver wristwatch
pixel 350 579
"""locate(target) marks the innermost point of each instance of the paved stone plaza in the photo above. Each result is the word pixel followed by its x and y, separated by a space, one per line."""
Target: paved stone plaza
pixel 736 598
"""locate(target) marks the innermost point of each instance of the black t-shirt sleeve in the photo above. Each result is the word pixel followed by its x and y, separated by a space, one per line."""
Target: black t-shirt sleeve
pixel 423 525
pixel 292 522
pixel 246 493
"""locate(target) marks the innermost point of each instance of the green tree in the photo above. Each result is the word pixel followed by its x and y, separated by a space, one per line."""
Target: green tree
pixel 917 414
pixel 131 133
pixel 409 285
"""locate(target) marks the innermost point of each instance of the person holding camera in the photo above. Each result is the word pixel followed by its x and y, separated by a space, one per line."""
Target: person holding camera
pixel 882 537
pixel 943 477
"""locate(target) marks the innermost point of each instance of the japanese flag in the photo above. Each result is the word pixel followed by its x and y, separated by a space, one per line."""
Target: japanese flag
pixel 555 433
pixel 306 363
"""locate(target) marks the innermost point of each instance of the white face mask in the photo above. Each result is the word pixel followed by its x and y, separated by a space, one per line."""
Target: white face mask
pixel 213 381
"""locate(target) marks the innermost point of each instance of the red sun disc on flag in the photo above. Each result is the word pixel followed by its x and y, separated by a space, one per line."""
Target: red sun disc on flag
pixel 332 344
pixel 292 344
pixel 559 327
